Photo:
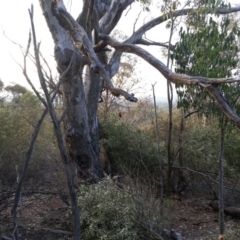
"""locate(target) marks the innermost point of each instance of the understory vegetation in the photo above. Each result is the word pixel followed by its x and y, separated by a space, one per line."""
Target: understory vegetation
pixel 86 155
pixel 126 204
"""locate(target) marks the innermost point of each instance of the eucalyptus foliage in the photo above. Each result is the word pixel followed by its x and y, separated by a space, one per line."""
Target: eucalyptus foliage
pixel 207 48
pixel 133 149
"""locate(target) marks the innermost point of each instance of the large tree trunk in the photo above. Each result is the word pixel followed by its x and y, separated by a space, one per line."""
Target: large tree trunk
pixel 81 89
pixel 81 127
pixel 80 103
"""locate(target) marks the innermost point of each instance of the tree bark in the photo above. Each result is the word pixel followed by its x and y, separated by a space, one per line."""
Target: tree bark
pixel 80 121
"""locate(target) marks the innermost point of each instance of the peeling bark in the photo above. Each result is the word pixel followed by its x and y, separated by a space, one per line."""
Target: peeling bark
pixel 82 148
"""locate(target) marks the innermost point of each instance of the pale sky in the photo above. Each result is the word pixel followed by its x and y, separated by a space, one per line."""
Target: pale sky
pixel 15 23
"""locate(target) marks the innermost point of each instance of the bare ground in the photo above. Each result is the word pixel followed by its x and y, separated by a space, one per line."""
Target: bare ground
pixel 193 218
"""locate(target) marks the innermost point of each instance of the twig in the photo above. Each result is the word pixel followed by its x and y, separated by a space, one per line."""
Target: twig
pixel 134 25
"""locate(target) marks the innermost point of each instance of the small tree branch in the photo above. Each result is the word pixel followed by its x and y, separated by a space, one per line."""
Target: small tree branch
pixel 152 43
pixel 66 233
pixel 189 114
pixel 182 12
pixel 112 16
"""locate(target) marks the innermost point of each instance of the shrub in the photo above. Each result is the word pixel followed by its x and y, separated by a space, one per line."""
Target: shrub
pixel 112 213
pixel 133 149
pixel 232 153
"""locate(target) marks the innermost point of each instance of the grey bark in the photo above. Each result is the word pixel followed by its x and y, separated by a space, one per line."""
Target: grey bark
pixel 80 125
pixel 74 39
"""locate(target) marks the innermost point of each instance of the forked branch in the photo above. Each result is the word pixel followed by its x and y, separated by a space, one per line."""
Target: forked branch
pixel 136 37
pixel 209 84
pixel 83 44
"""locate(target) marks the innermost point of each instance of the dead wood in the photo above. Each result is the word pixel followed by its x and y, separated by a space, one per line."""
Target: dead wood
pixel 234 212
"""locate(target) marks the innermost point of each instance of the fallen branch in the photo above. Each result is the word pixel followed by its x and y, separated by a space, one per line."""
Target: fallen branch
pixel 66 233
pixel 234 212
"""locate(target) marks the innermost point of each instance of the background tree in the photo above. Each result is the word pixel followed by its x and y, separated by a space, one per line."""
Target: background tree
pixel 16 91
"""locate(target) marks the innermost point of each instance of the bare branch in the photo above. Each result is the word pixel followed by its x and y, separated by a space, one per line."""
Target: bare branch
pixel 26 75
pixel 151 24
pixel 89 18
pixel 66 233
pixel 210 84
pixel 34 135
pixel 137 36
pixel 173 77
pixel 134 25
pixel 149 43
pixel 189 114
pixel 112 16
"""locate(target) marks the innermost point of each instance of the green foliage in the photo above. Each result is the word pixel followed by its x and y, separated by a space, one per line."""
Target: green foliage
pixel 201 143
pixel 145 4
pixel 112 213
pixel 133 149
pixel 202 9
pixel 232 153
pixel 202 148
pixel 16 89
pixel 17 121
pixel 169 6
pixel 208 50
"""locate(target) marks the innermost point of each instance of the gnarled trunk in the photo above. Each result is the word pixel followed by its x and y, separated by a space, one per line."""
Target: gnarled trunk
pixel 80 103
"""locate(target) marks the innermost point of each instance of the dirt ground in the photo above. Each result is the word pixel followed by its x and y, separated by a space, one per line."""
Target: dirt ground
pixel 40 215
pixel 43 214
pixel 195 220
